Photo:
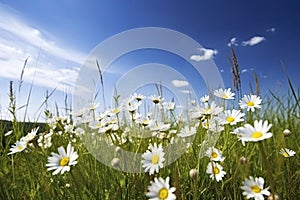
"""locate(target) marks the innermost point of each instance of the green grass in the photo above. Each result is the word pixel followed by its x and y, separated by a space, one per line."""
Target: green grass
pixel 24 175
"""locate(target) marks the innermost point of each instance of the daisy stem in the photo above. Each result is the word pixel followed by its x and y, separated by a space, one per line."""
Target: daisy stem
pixel 76 186
pixel 268 166
pixel 13 170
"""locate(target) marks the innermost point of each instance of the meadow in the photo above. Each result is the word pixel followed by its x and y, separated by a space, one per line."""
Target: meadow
pixel 254 152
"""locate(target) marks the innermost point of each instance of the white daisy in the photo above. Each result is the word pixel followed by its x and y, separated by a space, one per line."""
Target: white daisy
pixel 254 134
pixel 18 147
pixel 61 162
pixel 153 159
pixel 214 154
pixel 156 99
pixel 224 94
pixel 169 105
pixel 204 99
pixel 231 117
pixel 132 106
pixel 160 189
pixel 94 106
pixel 187 132
pixel 287 152
pixel 30 136
pixel 213 124
pixel 254 188
pixel 211 109
pixel 250 102
pixel 138 97
pixel 159 126
pixel 216 171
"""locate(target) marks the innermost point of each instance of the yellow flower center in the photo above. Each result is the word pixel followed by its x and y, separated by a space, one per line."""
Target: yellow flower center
pixel 20 148
pixel 163 194
pixel 256 189
pixel 230 119
pixel 224 96
pixel 116 111
pixel 64 161
pixel 257 134
pixel 155 159
pixel 250 103
pixel 285 154
pixel 207 110
pixel 216 170
pixel 214 155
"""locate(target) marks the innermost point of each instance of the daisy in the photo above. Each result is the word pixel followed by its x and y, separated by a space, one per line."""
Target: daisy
pixel 212 109
pixel 287 152
pixel 254 188
pixel 204 99
pixel 224 94
pixel 156 99
pixel 61 162
pixel 213 124
pixel 232 117
pixel 250 102
pixel 94 106
pixel 153 159
pixel 160 189
pixel 254 134
pixel 18 147
pixel 138 97
pixel 132 106
pixel 216 171
pixel 30 136
pixel 214 154
pixel 169 105
pixel 187 132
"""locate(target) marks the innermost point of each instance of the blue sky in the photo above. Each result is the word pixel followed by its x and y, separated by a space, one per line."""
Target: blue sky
pixel 57 36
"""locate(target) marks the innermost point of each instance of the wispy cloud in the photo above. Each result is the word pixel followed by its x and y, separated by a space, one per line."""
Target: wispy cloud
pixel 253 41
pixel 232 42
pixel 185 91
pixel 52 64
pixel 271 30
pixel 263 75
pixel 179 83
pixel 246 70
pixel 205 54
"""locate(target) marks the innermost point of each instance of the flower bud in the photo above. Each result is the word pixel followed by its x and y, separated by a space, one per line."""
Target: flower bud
pixel 287 132
pixel 193 173
pixel 273 197
pixel 115 162
pixel 243 160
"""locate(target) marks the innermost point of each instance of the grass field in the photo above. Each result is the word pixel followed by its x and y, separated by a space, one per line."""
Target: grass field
pixel 198 173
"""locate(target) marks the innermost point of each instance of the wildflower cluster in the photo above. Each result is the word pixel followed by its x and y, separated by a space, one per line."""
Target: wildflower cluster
pixel 24 142
pixel 149 125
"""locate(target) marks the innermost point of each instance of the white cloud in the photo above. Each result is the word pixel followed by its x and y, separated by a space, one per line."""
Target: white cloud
pixel 206 54
pixel 232 42
pixel 179 83
pixel 271 30
pixel 253 41
pixel 263 75
pixel 244 71
pixel 53 64
pixel 185 91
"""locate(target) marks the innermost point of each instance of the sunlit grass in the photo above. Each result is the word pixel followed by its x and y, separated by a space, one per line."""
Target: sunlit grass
pixel 24 175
